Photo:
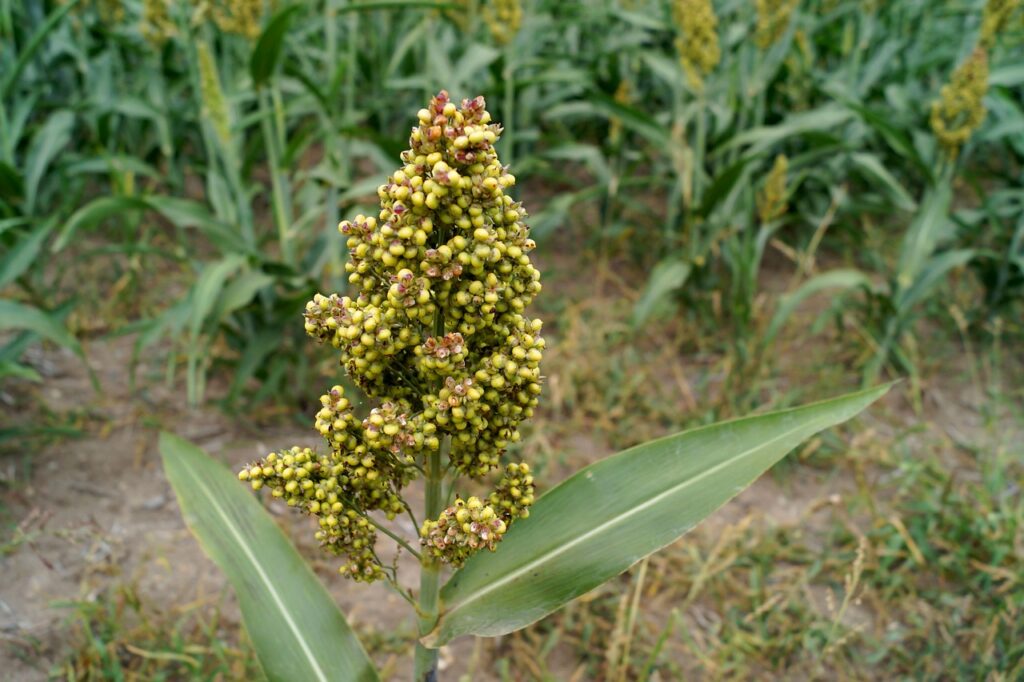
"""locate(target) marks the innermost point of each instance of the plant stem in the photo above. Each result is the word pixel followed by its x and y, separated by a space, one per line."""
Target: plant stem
pixel 698 149
pixel 281 206
pixel 508 113
pixel 430 572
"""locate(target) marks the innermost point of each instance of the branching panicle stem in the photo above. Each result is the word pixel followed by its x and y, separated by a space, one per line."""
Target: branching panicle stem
pixel 430 570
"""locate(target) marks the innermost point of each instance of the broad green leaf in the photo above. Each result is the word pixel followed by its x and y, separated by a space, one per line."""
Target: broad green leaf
pixel 188 213
pixel 1009 75
pixel 666 277
pixel 931 275
pixel 879 64
pixel 475 59
pixel 871 166
pixel 894 137
pixel 295 626
pixel 93 213
pixel 12 185
pixel 23 254
pixel 666 68
pixel 109 164
pixel 1013 129
pixel 14 315
pixel 13 347
pixel 209 288
pixel 930 226
pixel 368 5
pixel 634 119
pixel 836 279
pixel 46 144
pixel 240 291
pixel 722 186
pixel 586 154
pixel 183 213
pixel 611 514
pixel 267 52
pixel 7 224
pixel 135 107
pixel 254 356
pixel 13 369
pixel 604 107
pixel 640 19
pixel 828 118
pixel 33 44
pixel 554 215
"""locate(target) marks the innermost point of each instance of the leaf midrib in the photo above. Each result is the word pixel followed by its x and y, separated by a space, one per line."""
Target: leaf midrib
pixel 561 549
pixel 268 584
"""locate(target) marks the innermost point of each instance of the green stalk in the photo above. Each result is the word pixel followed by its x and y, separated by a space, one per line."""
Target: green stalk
pixel 330 34
pixel 425 662
pixel 698 149
pixel 675 218
pixel 351 56
pixel 509 108
pixel 221 153
pixel 280 200
pixel 232 170
pixel 6 144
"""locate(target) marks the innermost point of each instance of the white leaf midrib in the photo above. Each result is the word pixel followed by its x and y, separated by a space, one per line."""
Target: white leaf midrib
pixel 561 549
pixel 268 584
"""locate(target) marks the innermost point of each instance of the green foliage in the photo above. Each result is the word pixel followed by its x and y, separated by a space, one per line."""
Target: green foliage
pixel 843 89
pixel 653 494
pixel 608 516
pixel 297 630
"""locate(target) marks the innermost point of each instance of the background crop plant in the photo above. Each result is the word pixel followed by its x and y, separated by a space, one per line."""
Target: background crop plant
pixel 437 336
pixel 959 110
pixel 503 17
pixel 697 42
pixel 995 19
pixel 773 18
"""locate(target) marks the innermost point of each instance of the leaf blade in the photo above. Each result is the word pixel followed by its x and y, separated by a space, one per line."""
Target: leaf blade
pixel 267 53
pixel 611 514
pixel 241 538
pixel 14 315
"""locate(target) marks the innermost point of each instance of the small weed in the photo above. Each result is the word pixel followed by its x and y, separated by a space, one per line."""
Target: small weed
pixel 117 636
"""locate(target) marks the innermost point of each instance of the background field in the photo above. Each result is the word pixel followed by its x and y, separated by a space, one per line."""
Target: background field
pixel 735 212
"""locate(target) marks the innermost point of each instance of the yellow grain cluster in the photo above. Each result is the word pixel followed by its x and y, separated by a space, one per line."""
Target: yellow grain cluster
pixel 157 25
pixel 995 19
pixel 772 20
pixel 215 107
pixel 503 17
pixel 772 201
pixel 698 38
pixel 959 110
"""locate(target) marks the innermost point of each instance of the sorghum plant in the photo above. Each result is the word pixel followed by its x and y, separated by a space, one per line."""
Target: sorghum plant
pixel 438 337
pixel 772 200
pixel 436 334
pixel 698 38
pixel 157 25
pixel 995 18
pixel 772 20
pixel 959 109
pixel 504 17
